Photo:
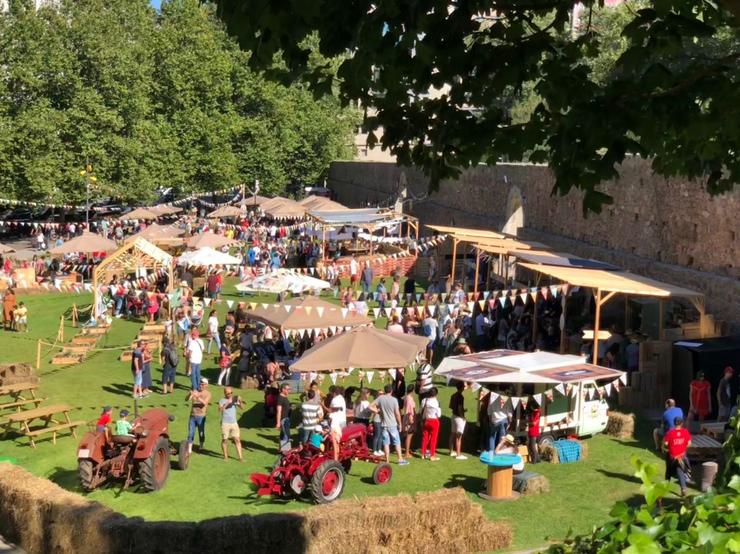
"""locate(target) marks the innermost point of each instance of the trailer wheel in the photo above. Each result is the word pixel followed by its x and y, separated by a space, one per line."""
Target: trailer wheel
pixel 85 472
pixel 382 474
pixel 183 455
pixel 327 482
pixel 156 468
pixel 546 440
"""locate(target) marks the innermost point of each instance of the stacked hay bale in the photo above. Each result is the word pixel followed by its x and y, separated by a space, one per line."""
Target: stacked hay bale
pixel 621 425
pixel 12 374
pixel 40 516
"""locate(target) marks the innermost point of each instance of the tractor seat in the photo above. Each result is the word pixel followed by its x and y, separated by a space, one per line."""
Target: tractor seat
pixel 353 431
pixel 123 439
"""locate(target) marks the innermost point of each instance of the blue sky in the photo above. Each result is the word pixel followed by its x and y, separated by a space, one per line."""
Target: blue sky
pixel 156 3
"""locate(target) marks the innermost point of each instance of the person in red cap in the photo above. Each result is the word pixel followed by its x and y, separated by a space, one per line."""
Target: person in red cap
pixel 724 395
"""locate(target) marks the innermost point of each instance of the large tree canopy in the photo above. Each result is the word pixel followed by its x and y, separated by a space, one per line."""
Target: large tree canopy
pixel 150 100
pixel 664 85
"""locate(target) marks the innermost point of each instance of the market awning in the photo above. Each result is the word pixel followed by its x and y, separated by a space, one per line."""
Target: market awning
pixel 210 240
pixel 226 211
pixel 508 244
pixel 281 280
pixel 283 208
pixel 86 243
pixel 306 313
pixel 471 235
pixel 619 281
pixel 139 213
pixel 360 217
pixel 512 367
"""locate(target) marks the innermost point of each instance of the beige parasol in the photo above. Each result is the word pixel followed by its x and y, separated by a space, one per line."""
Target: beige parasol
pixel 210 240
pixel 156 232
pixel 87 242
pixel 164 209
pixel 226 211
pixel 307 312
pixel 139 213
pixel 366 347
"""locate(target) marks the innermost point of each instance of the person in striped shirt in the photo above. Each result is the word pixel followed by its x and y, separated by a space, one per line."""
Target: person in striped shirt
pixel 311 415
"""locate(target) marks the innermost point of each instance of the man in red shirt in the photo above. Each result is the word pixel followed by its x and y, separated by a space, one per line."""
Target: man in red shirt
pixel 533 434
pixel 677 442
pixel 213 284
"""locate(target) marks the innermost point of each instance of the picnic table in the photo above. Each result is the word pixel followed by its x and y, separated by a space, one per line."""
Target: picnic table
pixel 52 424
pixel 21 394
pixel 715 429
pixel 703 448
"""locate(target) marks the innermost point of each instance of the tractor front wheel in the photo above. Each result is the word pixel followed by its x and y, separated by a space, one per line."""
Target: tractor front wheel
pixel 382 474
pixel 156 468
pixel 86 473
pixel 327 482
pixel 183 455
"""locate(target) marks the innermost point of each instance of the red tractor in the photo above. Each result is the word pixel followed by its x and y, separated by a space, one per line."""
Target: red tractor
pixel 309 467
pixel 146 454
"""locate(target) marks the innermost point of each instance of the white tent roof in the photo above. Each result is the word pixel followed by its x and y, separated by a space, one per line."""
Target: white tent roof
pixel 207 257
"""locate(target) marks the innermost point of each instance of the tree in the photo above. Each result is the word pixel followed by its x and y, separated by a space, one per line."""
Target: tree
pixel 666 95
pixel 149 100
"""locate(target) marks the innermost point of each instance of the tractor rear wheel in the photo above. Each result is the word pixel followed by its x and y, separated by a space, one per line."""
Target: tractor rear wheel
pixel 327 482
pixel 156 468
pixel 86 473
pixel 382 474
pixel 183 455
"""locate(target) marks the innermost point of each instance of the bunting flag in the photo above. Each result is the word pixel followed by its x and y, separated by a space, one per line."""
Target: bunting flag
pixel 623 378
pixel 475 386
pixel 320 310
pixel 537 398
pixel 207 301
pixel 494 396
pixel 560 388
pixel 514 402
pixel 392 373
pixel 369 375
pixel 502 300
pixel 333 377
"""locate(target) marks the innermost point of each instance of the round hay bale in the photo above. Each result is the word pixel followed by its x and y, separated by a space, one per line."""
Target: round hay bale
pixel 549 454
pixel 620 425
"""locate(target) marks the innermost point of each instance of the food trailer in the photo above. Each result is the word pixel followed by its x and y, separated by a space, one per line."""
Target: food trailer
pixel 571 393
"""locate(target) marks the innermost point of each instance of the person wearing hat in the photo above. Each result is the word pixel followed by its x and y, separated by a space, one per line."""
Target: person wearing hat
pixel 199 399
pixel 194 354
pixel 509 446
pixel 104 419
pixel 724 395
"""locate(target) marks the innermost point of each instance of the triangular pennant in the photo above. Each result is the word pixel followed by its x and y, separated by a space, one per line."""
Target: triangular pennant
pixel 376 312
pixel 623 378
pixel 494 396
pixel 207 301
pixel 392 373
pixel 554 290
pixel 320 310
pixel 470 306
pixel 486 294
pixel 252 305
pixel 308 309
pixel 333 377
pixel 475 387
pixel 345 311
pixel 502 301
pixel 537 398
pixel 432 309
pixel 524 297
pixel 534 296
pixel 615 383
pixel 481 304
pixel 333 329
pixel 608 389
pixel 515 402
pixel 369 375
pixel 560 388
pixel 287 307
pixel 264 306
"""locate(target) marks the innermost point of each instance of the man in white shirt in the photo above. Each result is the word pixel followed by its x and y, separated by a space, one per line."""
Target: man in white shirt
pixel 194 353
pixel 354 271
pixel 483 325
pixel 500 414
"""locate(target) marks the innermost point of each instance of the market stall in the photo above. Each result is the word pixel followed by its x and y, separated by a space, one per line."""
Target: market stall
pixel 282 280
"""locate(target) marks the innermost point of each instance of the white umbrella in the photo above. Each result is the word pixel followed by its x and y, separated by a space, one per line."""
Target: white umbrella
pixel 282 280
pixel 207 257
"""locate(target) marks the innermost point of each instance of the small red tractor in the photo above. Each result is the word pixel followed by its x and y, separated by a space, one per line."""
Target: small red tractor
pixel 146 454
pixel 310 468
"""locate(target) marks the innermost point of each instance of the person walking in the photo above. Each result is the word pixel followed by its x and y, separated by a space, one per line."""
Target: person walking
pixel 457 405
pixel 282 417
pixel 533 433
pixel 199 400
pixel 213 334
pixel 170 359
pixel 724 394
pixel 666 422
pixel 194 353
pixel 677 441
pixel 430 414
pixel 224 362
pixel 390 418
pixel 367 278
pixel 8 307
pixel 137 364
pixel 700 399
pixel 229 426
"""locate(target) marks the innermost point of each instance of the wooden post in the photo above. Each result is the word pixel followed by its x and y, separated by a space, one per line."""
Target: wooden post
pixel 323 244
pixel 477 270
pixel 661 316
pixel 60 334
pixel 74 315
pixel 454 258
pixel 563 337
pixel 38 354
pixel 597 323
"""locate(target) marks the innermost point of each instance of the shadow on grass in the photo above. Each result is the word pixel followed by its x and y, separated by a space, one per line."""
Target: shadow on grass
pixel 470 483
pixel 622 476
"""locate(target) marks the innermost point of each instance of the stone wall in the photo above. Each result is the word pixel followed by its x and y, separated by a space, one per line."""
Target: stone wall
pixel 667 229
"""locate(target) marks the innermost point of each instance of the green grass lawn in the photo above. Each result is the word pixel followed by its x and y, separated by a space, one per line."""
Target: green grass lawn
pixel 581 494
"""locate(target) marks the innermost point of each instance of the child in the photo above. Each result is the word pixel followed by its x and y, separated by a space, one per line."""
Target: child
pixel 21 318
pixel 153 306
pixel 123 427
pixel 224 363
pixel 104 419
pixel 381 294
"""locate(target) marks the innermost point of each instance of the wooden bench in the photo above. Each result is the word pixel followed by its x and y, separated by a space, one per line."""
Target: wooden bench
pixel 20 403
pixel 72 425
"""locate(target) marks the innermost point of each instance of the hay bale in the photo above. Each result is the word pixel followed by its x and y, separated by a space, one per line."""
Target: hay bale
pixel 549 453
pixel 584 450
pixel 531 483
pixel 621 425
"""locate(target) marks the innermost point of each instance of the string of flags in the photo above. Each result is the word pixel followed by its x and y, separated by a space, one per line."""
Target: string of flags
pixel 563 389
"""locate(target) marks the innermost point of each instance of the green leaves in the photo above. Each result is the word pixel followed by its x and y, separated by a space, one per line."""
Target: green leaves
pixel 151 101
